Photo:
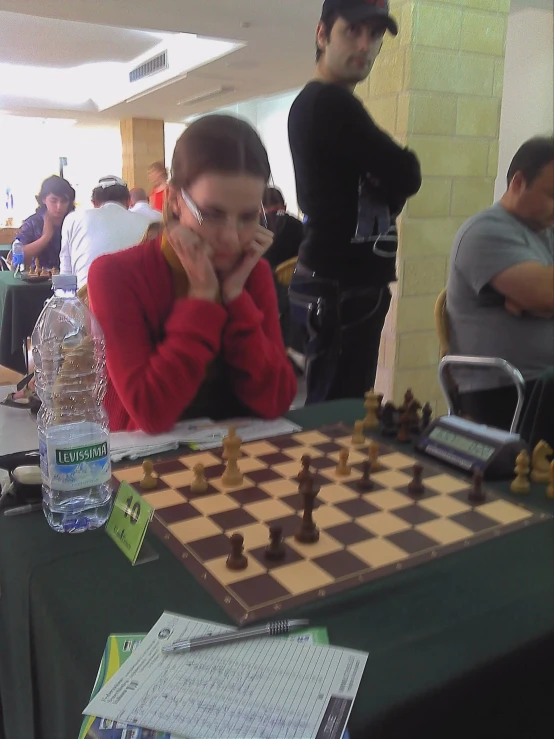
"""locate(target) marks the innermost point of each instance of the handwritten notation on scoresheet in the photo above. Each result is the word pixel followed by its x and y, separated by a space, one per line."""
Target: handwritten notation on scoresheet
pixel 267 688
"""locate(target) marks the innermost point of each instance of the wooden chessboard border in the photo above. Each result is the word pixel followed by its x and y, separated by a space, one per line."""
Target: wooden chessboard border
pixel 243 614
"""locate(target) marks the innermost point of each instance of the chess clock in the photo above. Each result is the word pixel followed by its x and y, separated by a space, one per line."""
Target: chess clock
pixel 468 446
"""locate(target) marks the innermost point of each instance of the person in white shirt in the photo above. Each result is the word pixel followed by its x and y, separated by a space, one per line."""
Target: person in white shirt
pixel 106 228
pixel 140 204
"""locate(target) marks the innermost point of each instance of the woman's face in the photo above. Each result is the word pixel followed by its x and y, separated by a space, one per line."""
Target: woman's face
pixel 57 207
pixel 229 208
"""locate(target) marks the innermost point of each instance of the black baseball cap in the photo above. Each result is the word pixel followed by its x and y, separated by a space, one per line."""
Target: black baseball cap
pixel 354 11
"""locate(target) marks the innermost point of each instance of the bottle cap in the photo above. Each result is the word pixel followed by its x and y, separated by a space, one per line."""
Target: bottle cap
pixel 64 282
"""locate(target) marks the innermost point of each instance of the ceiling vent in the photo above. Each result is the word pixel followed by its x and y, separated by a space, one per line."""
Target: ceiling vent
pixel 150 67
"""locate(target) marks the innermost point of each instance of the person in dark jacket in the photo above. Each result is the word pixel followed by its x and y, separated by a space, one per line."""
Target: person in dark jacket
pixel 352 181
pixel 41 234
pixel 288 233
pixel 287 230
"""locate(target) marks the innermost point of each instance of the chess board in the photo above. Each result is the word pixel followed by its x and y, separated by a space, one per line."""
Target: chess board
pixel 363 536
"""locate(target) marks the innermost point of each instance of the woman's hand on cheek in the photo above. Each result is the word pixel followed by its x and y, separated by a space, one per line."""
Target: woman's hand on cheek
pixel 195 256
pixel 232 283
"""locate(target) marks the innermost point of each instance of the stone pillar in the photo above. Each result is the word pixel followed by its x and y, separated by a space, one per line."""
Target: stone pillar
pixel 142 142
pixel 437 88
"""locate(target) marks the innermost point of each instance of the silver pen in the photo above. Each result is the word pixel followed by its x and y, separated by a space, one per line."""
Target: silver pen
pixel 274 628
pixel 20 510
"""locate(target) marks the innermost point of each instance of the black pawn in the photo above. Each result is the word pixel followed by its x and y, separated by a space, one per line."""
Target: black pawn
pixel 388 420
pixel 275 551
pixel 365 483
pixel 237 560
pixel 426 413
pixel 416 487
pixel 477 494
pixel 413 412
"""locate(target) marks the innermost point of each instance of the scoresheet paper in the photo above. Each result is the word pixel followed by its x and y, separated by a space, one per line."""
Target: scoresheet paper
pixel 268 688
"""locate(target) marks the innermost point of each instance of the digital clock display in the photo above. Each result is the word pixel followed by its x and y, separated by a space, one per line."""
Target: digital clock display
pixel 475 449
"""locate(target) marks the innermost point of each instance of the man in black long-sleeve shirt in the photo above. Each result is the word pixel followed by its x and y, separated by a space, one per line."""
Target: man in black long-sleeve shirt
pixel 352 181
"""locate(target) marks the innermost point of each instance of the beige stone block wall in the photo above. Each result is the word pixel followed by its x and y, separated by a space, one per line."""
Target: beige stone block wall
pixel 142 142
pixel 437 88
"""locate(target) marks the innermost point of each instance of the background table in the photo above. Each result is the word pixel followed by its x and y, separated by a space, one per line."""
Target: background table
pixel 20 306
pixel 463 646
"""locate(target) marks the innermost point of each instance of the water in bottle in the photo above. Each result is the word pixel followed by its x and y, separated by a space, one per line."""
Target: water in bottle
pixel 70 373
pixel 18 257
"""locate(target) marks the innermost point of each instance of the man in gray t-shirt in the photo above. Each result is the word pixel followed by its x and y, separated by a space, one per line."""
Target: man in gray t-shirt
pixel 500 291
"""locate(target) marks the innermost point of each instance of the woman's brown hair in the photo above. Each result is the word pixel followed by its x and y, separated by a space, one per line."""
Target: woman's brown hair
pixel 216 144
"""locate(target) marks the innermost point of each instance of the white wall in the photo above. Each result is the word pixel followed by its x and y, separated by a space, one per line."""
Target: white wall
pixel 172 131
pixel 269 115
pixel 30 149
pixel 272 121
pixel 527 103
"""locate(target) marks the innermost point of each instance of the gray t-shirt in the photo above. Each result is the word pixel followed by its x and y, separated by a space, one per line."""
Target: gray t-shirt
pixel 485 246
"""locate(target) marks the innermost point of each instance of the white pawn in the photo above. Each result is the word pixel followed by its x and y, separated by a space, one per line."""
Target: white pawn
pixel 371 405
pixel 342 469
pixel 358 436
pixel 199 483
pixel 521 484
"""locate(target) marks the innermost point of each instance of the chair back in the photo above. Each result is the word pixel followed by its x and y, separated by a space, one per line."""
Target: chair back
pixel 152 232
pixel 285 271
pixel 441 323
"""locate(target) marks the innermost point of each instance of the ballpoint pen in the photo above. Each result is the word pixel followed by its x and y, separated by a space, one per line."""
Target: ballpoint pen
pixel 20 510
pixel 275 628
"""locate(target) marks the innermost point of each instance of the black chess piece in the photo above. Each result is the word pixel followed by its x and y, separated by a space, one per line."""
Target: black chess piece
pixel 404 431
pixel 388 420
pixel 477 494
pixel 415 486
pixel 304 473
pixel 413 412
pixel 426 413
pixel 275 551
pixel 379 410
pixel 365 483
pixel 308 533
pixel 408 397
pixel 237 560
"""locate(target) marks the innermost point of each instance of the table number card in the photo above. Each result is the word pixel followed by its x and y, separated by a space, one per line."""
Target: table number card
pixel 128 523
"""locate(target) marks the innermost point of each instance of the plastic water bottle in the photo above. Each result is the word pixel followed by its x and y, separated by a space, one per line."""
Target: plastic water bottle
pixel 74 441
pixel 18 257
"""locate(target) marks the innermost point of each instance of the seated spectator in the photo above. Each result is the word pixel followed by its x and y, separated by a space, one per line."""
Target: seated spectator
pixel 287 230
pixel 157 174
pixel 41 233
pixel 190 319
pixel 105 228
pixel 500 291
pixel 287 237
pixel 139 204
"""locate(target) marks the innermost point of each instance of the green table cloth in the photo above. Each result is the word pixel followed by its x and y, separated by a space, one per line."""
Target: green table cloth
pixel 460 647
pixel 20 306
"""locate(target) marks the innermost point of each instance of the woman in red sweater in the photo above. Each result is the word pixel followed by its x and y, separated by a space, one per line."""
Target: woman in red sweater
pixel 190 319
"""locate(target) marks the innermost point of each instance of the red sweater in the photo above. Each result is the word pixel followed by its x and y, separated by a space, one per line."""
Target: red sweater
pixel 157 198
pixel 158 348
